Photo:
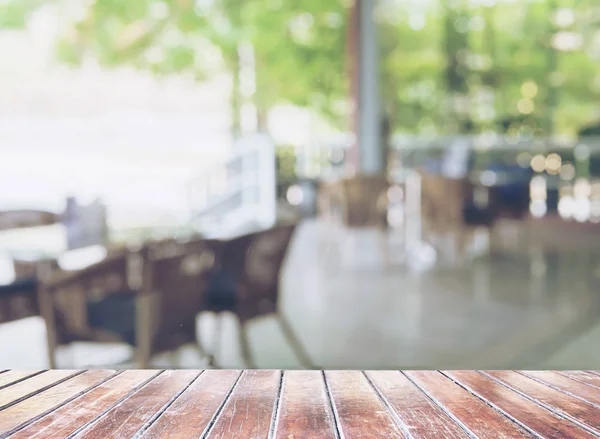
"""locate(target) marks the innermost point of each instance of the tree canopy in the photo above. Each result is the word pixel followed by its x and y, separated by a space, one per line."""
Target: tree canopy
pixel 527 68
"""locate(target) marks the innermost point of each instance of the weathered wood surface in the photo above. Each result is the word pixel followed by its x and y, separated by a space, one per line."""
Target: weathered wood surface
pixel 194 404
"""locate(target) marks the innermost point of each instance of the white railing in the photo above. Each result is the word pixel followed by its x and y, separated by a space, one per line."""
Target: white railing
pixel 237 193
pixel 497 142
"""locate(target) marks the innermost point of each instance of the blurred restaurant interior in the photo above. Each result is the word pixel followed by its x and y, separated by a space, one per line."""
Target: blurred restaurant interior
pixel 363 184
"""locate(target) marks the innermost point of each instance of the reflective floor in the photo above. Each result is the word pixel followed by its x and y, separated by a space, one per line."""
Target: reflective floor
pixel 534 308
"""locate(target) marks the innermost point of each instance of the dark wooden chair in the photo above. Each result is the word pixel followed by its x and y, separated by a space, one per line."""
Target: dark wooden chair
pixel 18 299
pixel 245 282
pixel 72 302
pixel 147 298
pixel 85 225
pixel 177 272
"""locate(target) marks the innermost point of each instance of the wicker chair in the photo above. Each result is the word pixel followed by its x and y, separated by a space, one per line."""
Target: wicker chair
pixel 359 202
pixel 364 201
pixel 449 207
pixel 147 298
pixel 245 281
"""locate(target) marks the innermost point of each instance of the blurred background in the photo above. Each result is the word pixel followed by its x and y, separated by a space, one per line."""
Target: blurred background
pixel 439 160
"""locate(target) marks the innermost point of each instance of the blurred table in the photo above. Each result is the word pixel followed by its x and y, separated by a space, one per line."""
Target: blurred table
pixel 298 404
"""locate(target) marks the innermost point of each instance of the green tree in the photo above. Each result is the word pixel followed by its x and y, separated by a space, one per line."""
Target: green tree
pixel 297 46
pixel 14 14
pixel 498 54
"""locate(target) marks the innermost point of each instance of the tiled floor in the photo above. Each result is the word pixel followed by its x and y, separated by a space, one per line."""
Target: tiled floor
pixel 518 309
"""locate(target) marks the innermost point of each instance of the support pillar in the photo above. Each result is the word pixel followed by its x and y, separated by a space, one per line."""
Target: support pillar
pixel 366 155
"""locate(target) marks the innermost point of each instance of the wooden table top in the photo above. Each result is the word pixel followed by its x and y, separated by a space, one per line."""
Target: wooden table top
pixel 298 404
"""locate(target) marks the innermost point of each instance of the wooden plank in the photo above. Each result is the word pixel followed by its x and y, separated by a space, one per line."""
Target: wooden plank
pixel 566 385
pixel 304 410
pixel 421 416
pixel 32 408
pixel 474 414
pixel 355 402
pixel 249 410
pixel 129 417
pixel 190 415
pixel 39 383
pixel 12 376
pixel 583 377
pixel 66 420
pixel 526 412
pixel 576 409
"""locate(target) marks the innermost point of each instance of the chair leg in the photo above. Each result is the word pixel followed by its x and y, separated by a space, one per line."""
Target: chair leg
pixel 245 345
pixel 51 359
pixel 143 335
pixel 291 337
pixel 47 312
pixel 216 341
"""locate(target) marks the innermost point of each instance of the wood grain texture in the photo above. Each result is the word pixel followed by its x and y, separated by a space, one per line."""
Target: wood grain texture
pixel 583 377
pixel 12 376
pixel 31 408
pixel 126 419
pixel 566 385
pixel 355 401
pixel 66 420
pixel 576 409
pixel 16 392
pixel 190 415
pixel 421 416
pixel 144 404
pixel 526 412
pixel 304 409
pixel 475 415
pixel 249 410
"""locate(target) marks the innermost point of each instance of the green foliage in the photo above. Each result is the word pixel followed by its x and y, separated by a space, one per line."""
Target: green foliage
pixel 15 13
pixel 430 53
pixel 286 164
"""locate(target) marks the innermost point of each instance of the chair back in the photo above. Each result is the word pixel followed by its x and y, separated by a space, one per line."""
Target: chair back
pixel 443 199
pixel 65 296
pixel 176 274
pixel 255 261
pixel 364 200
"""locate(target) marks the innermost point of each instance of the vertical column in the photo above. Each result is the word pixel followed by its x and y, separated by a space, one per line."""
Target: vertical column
pixel 366 156
pixel 266 171
pixel 370 119
pixel 352 160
